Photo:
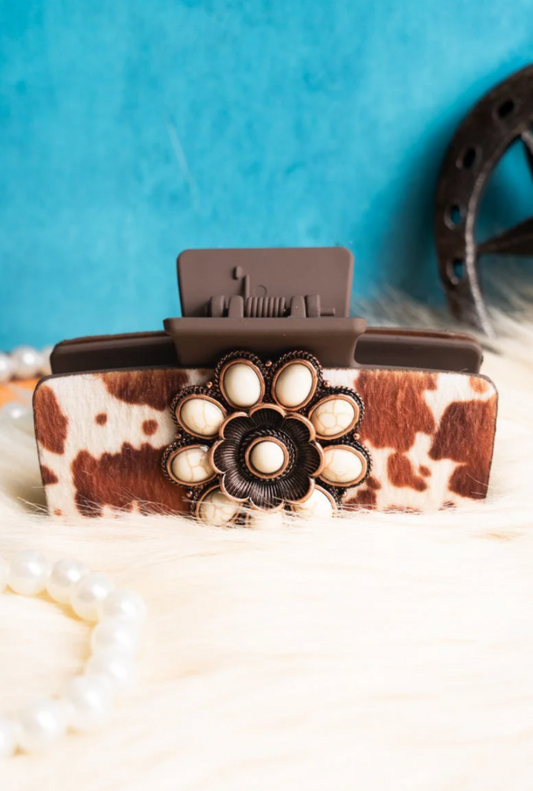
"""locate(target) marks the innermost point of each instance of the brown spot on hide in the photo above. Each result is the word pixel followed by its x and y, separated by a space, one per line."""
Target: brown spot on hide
pixel 478 384
pixel 147 388
pixel 58 512
pixel 50 422
pixel 101 418
pixel 425 471
pixel 122 480
pixel 48 475
pixel 395 409
pixel 150 427
pixel 401 473
pixel 372 483
pixel 466 435
pixel 364 498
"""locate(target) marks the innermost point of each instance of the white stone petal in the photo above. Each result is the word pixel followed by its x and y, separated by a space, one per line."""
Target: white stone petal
pixel 241 384
pixel 217 509
pixel 343 465
pixel 201 416
pixel 319 506
pixel 333 416
pixel 294 385
pixel 191 465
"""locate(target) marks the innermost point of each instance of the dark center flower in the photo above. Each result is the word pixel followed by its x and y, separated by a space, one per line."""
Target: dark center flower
pixel 267 456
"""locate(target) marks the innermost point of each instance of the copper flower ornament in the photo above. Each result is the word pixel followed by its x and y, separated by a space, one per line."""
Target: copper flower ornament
pixel 262 437
pixel 267 456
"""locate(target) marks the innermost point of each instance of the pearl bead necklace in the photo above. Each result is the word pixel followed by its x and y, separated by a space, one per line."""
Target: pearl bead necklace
pixel 86 702
pixel 24 362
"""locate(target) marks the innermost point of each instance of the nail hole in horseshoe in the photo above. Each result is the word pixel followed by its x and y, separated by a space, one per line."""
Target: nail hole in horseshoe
pixel 454 216
pixel 468 158
pixel 456 270
pixel 505 109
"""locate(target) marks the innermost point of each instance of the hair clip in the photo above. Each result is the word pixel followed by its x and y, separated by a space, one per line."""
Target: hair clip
pixel 264 397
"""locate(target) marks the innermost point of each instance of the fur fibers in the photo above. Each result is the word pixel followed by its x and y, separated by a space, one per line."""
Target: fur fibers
pixel 380 652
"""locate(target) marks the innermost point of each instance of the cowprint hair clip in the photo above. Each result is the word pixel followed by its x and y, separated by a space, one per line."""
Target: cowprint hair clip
pixel 265 396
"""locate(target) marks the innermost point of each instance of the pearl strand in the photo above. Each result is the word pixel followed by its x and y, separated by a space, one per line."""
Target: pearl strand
pixel 24 362
pixel 86 701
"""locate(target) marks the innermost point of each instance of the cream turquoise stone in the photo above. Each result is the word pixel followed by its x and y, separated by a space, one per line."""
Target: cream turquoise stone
pixel 294 385
pixel 333 416
pixel 343 465
pixel 192 465
pixel 319 506
pixel 267 457
pixel 217 509
pixel 201 416
pixel 241 385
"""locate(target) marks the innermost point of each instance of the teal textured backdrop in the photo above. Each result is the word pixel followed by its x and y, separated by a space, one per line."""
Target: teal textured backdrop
pixel 132 130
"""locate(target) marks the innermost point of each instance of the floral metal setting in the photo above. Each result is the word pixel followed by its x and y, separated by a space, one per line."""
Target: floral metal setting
pixel 265 437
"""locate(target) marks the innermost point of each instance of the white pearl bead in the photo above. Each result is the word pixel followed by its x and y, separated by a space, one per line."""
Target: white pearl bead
pixel 124 604
pixel 88 701
pixel 15 411
pixel 40 725
pixel 115 634
pixel 4 574
pixel 267 457
pixel 63 579
pixel 8 740
pixel 27 362
pixel 46 369
pixel 120 668
pixel 19 415
pixel 88 594
pixel 7 368
pixel 28 573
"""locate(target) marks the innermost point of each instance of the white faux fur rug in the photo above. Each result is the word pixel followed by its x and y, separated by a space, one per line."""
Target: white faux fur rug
pixel 373 653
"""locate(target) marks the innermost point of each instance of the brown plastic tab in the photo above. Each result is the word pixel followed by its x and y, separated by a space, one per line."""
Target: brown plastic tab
pixel 438 351
pixel 112 352
pixel 266 279
pixel 378 347
pixel 268 301
pixel 200 343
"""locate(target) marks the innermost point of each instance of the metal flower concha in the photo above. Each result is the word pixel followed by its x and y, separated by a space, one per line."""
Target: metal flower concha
pixel 263 437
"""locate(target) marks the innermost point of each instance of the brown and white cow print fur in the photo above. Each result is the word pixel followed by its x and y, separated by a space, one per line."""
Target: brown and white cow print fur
pixel 101 435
